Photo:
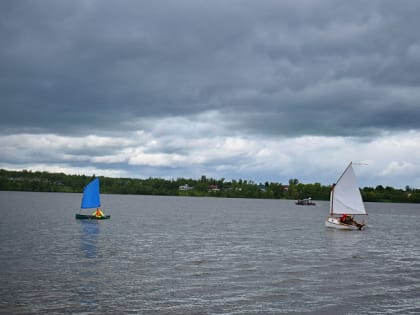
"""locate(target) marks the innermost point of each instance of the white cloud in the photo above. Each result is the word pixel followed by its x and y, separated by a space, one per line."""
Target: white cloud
pixel 392 158
pixel 399 168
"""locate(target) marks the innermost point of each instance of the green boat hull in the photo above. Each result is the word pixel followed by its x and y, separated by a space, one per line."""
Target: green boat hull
pixel 91 217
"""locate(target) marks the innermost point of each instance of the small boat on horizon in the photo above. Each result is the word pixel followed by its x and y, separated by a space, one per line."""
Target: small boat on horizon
pixel 305 202
pixel 346 202
pixel 91 200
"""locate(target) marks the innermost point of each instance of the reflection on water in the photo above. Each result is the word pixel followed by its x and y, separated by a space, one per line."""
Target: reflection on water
pixel 342 241
pixel 89 238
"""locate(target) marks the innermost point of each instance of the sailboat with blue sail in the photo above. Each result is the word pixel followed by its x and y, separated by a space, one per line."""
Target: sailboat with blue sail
pixel 91 200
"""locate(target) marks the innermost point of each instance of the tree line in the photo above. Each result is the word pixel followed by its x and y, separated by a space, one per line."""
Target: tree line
pixel 59 182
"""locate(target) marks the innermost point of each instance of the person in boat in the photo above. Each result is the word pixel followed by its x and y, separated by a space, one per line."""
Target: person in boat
pixel 98 213
pixel 346 219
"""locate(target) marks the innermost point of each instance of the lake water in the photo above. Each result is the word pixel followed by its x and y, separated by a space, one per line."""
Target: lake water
pixel 176 255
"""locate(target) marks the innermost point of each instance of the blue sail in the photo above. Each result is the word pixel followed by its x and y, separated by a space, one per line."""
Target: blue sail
pixel 91 197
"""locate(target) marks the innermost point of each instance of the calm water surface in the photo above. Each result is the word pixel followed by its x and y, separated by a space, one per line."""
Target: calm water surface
pixel 175 255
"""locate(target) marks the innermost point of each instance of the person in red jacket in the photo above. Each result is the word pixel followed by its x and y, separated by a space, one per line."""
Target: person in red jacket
pixel 346 219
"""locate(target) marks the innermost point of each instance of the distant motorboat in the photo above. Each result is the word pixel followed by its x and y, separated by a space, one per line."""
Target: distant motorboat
pixel 91 200
pixel 346 202
pixel 305 202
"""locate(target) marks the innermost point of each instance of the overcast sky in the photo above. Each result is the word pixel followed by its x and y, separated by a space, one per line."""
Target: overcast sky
pixel 256 90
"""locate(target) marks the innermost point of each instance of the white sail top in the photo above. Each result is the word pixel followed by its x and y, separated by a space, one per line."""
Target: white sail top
pixel 345 196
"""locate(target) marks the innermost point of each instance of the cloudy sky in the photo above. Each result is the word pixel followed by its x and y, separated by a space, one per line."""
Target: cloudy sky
pixel 235 89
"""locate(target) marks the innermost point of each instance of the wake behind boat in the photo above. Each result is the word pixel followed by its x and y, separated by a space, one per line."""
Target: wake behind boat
pixel 346 202
pixel 90 200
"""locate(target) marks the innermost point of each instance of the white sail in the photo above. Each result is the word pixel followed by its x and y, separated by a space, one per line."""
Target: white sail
pixel 345 196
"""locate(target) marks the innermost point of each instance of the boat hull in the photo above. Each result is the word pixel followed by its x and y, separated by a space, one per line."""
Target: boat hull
pixel 334 223
pixel 91 217
pixel 305 203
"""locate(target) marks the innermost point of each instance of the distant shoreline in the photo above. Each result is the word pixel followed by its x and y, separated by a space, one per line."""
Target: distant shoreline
pixel 204 187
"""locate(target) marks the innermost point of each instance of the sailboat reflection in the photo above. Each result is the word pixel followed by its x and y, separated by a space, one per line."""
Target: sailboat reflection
pixel 89 239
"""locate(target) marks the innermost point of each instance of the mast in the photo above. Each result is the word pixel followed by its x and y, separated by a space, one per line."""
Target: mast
pixel 332 190
pixel 332 200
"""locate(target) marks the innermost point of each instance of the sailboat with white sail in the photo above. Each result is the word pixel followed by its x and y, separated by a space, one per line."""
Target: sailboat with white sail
pixel 346 202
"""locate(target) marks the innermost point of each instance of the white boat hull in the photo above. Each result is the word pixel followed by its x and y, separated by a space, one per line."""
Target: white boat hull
pixel 337 224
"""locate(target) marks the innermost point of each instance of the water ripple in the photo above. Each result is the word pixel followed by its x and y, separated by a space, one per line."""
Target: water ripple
pixel 166 255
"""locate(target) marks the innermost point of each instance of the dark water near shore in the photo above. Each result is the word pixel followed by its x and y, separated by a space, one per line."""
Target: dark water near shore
pixel 175 255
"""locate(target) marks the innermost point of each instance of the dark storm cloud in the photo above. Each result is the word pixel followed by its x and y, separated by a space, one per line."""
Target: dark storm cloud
pixel 271 67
